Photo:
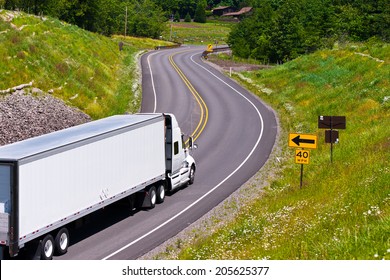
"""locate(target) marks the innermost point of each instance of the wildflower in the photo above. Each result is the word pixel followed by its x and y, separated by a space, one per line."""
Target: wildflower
pixel 376 255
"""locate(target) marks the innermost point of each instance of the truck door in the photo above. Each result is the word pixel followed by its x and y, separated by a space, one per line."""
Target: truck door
pixel 178 151
pixel 175 155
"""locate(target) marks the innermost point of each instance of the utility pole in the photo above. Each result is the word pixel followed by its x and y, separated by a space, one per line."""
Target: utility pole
pixel 126 23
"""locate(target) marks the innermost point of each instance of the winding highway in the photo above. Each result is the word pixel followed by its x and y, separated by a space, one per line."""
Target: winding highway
pixel 235 133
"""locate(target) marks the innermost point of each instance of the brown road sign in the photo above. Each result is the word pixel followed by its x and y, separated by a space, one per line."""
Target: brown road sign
pixel 332 122
pixel 331 136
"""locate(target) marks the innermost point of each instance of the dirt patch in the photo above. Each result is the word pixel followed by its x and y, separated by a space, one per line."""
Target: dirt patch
pixel 185 25
pixel 226 65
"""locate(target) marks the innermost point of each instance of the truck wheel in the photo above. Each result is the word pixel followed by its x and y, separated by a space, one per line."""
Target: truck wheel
pixel 192 175
pixel 61 241
pixel 152 197
pixel 47 247
pixel 160 193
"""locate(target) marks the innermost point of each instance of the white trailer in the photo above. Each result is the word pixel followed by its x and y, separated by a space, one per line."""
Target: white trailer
pixel 49 181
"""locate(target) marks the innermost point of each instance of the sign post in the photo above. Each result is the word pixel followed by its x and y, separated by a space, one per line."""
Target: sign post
pixel 302 157
pixel 332 136
pixel 302 142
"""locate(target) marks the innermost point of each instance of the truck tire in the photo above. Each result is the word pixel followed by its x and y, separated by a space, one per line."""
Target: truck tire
pixel 152 197
pixel 160 193
pixel 47 247
pixel 192 175
pixel 61 241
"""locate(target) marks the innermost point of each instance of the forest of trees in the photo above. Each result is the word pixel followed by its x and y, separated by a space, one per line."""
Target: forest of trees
pixel 144 17
pixel 276 31
pixel 280 30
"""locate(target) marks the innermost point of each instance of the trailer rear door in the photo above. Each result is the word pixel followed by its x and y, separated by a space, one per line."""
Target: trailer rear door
pixel 5 201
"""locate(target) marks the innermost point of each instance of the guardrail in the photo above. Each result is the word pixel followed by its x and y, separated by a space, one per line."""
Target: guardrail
pixel 215 50
pixel 221 49
pixel 167 47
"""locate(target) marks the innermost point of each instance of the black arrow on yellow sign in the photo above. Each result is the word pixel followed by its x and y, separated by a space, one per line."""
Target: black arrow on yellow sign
pixel 297 140
pixel 304 141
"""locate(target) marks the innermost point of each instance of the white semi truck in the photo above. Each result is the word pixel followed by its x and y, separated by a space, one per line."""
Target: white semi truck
pixel 47 182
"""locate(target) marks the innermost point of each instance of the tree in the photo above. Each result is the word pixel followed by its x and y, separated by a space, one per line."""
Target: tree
pixel 200 12
pixel 146 19
pixel 177 17
pixel 349 23
pixel 187 6
pixel 250 37
pixel 281 30
pixel 168 6
pixel 187 18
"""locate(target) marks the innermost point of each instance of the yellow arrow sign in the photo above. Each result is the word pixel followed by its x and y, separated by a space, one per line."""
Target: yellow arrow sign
pixel 307 141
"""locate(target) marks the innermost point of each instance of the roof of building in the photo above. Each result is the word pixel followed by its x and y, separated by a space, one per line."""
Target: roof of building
pixel 221 8
pixel 240 12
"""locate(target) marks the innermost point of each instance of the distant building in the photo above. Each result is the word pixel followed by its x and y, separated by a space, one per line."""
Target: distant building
pixel 221 10
pixel 243 12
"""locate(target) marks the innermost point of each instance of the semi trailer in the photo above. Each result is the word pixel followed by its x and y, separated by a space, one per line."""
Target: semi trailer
pixel 48 182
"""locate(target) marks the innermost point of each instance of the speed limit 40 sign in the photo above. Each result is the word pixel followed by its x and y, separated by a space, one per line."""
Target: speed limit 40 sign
pixel 302 156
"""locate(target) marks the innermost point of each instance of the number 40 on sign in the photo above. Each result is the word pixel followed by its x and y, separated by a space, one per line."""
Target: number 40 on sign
pixel 302 156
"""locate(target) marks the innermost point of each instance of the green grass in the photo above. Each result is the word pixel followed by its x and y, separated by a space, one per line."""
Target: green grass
pixel 343 208
pixel 198 33
pixel 86 70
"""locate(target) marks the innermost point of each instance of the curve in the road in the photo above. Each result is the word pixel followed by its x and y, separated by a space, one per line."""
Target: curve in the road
pixel 201 103
pixel 204 115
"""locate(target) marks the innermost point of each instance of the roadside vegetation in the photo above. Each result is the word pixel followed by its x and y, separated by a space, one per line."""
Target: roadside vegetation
pixel 84 69
pixel 279 31
pixel 194 33
pixel 343 208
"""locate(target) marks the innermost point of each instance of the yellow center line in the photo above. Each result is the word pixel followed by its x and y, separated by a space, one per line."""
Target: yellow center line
pixel 204 112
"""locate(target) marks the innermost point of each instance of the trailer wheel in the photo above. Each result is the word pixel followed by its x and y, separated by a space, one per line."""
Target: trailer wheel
pixel 152 197
pixel 192 175
pixel 47 247
pixel 160 193
pixel 61 241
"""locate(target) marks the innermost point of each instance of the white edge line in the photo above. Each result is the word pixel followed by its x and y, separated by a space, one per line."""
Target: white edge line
pixel 154 88
pixel 213 189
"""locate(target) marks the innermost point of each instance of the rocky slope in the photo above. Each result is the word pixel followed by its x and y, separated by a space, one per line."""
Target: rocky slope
pixel 28 113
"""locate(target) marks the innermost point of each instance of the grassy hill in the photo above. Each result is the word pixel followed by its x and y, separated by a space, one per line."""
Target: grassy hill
pixel 343 208
pixel 84 69
pixel 193 33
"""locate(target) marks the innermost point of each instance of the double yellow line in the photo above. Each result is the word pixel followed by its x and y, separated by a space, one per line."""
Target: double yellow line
pixel 204 111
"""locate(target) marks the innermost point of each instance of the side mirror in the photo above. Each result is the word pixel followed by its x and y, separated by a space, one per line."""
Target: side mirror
pixel 191 144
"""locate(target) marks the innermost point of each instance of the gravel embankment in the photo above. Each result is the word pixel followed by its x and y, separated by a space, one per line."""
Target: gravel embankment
pixel 27 114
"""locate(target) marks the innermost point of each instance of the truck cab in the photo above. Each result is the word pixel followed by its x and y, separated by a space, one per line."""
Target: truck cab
pixel 180 165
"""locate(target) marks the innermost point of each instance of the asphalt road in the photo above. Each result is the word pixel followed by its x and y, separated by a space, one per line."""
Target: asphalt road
pixel 235 134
